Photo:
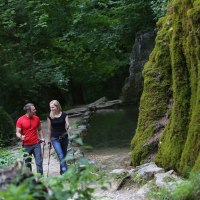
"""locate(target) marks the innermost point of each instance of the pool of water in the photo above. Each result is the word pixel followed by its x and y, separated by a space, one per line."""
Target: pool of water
pixel 112 127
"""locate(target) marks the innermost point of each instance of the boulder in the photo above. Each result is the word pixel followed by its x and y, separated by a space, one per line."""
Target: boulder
pixel 148 170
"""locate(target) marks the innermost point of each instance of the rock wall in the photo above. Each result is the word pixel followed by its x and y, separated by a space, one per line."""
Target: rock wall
pixel 142 48
pixel 169 118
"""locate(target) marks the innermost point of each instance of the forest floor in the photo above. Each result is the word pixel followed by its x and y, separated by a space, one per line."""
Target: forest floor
pixel 104 160
pixel 108 159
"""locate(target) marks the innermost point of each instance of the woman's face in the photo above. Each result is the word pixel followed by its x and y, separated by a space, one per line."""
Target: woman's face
pixel 53 108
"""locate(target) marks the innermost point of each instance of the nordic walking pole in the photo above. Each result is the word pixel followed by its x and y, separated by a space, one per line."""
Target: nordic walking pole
pixel 43 151
pixel 49 143
pixel 42 141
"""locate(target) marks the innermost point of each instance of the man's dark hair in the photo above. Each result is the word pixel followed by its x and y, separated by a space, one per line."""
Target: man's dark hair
pixel 28 106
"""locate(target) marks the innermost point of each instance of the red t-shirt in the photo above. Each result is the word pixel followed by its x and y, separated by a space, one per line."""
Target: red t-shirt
pixel 29 127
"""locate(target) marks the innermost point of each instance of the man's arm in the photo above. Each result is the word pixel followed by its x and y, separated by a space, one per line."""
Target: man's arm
pixel 40 133
pixel 19 134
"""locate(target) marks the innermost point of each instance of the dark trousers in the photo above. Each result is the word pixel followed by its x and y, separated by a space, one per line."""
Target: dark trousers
pixel 37 153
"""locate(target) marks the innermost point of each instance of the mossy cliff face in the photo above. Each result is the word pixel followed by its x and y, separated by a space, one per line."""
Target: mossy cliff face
pixel 172 93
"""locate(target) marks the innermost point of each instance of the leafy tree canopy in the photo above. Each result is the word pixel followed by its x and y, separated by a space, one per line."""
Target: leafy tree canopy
pixel 59 48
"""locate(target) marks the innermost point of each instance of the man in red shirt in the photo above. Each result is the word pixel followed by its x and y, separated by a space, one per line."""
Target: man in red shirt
pixel 27 129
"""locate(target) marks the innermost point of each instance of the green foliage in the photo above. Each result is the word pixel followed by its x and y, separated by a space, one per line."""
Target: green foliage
pixel 159 193
pixel 68 50
pixel 13 193
pixel 159 8
pixel 7 128
pixel 138 180
pixel 6 158
pixel 26 54
pixel 74 184
pixel 186 190
pixel 26 189
pixel 101 35
pixel 79 182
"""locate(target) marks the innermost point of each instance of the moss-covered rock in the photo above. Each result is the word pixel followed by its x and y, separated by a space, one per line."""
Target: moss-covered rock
pixel 156 94
pixel 173 72
pixel 197 164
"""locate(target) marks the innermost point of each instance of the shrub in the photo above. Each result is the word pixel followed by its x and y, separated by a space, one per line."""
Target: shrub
pixel 159 193
pixel 6 158
pixel 7 128
pixel 74 184
pixel 189 189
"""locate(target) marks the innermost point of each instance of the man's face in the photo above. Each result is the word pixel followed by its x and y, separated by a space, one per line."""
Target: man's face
pixel 32 111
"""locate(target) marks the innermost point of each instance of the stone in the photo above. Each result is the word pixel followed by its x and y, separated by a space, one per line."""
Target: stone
pixel 142 192
pixel 148 170
pixel 119 172
pixel 166 179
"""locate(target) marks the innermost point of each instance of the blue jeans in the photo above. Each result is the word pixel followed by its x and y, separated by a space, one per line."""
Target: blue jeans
pixel 37 153
pixel 60 146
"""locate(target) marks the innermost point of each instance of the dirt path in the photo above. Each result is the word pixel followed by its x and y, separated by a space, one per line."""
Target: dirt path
pixel 54 167
pixel 105 160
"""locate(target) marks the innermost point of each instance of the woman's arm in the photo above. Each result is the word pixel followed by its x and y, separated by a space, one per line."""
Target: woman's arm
pixel 68 127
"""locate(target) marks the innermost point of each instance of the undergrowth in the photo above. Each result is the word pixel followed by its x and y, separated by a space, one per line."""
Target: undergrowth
pixel 6 158
pixel 188 189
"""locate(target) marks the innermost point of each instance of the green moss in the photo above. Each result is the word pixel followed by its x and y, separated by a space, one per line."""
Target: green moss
pixel 173 65
pixel 191 149
pixel 153 103
pixel 194 12
pixel 196 167
pixel 192 145
pixel 169 153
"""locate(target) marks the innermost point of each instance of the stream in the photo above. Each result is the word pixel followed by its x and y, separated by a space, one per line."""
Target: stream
pixel 112 127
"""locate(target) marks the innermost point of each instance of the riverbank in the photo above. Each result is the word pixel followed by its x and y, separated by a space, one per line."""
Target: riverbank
pixel 104 160
pixel 113 162
pixel 107 160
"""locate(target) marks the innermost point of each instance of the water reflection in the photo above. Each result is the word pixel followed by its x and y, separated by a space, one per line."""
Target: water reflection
pixel 112 127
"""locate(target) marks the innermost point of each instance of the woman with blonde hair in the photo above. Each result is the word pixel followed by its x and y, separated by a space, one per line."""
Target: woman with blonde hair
pixel 58 125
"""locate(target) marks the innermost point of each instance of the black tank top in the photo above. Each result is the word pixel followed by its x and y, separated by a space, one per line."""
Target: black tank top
pixel 58 125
